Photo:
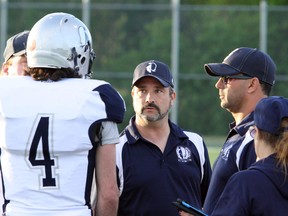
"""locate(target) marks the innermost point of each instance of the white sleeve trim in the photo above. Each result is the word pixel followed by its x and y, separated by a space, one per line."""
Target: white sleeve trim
pixel 199 144
pixel 246 140
pixel 119 162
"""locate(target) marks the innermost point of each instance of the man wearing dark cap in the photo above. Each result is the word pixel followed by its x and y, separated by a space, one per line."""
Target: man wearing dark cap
pixel 246 76
pixel 262 189
pixel 158 162
pixel 15 61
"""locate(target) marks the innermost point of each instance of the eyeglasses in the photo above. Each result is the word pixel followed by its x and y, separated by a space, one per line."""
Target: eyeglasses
pixel 252 131
pixel 226 79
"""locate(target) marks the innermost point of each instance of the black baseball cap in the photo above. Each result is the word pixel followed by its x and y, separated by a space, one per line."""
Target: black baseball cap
pixel 269 112
pixel 156 69
pixel 245 60
pixel 16 45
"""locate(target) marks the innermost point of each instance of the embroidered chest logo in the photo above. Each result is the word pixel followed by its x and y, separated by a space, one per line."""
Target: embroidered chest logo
pixel 184 154
pixel 225 152
pixel 151 67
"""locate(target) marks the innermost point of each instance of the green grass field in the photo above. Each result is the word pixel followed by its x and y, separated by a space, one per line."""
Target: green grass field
pixel 214 144
pixel 213 153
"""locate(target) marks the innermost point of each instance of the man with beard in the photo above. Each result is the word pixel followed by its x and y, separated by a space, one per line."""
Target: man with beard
pixel 157 161
pixel 246 76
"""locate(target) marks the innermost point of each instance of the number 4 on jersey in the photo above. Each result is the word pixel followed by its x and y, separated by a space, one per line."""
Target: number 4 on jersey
pixel 40 146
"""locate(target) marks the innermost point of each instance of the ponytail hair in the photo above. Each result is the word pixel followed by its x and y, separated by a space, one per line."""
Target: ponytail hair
pixel 281 147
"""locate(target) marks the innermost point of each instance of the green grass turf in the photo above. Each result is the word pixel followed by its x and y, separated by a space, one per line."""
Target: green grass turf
pixel 214 144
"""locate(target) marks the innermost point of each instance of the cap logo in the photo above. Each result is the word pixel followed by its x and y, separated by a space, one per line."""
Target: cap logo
pixel 151 67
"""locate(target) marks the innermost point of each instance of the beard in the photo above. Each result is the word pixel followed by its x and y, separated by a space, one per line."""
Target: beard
pixel 155 117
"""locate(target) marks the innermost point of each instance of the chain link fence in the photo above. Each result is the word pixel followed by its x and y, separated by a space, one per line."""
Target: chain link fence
pixel 127 34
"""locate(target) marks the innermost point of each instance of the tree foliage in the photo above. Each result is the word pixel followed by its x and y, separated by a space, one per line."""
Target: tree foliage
pixel 124 37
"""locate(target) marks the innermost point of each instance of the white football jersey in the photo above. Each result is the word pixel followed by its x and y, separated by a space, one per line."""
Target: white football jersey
pixel 47 133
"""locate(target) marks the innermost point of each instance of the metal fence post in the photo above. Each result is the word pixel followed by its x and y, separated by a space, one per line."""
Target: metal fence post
pixel 175 55
pixel 263 25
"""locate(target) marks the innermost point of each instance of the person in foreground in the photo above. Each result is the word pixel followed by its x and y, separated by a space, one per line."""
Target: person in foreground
pixel 157 161
pixel 64 128
pixel 245 77
pixel 15 61
pixel 262 189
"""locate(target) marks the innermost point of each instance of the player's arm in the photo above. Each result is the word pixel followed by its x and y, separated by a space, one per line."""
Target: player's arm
pixel 107 191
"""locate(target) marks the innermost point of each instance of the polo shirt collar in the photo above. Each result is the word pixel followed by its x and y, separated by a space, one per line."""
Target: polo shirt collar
pixel 242 128
pixel 133 134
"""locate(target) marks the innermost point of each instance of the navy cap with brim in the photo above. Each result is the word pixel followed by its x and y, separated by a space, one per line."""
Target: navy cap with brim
pixel 220 69
pixel 164 83
pixel 155 69
pixel 249 61
pixel 16 45
pixel 269 112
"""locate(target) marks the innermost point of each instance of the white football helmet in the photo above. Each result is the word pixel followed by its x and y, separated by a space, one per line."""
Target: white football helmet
pixel 60 40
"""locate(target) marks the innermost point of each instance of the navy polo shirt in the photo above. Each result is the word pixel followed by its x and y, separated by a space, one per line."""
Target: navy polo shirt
pixel 237 153
pixel 150 180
